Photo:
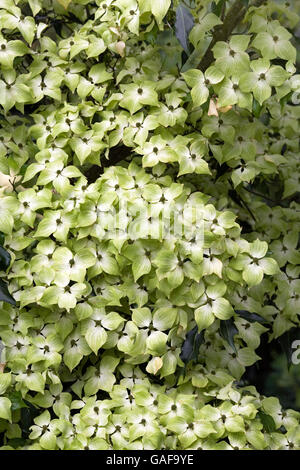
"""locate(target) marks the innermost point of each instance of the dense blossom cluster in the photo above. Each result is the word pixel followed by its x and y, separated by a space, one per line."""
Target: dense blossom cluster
pixel 107 290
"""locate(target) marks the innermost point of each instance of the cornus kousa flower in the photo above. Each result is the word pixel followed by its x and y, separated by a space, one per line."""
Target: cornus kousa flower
pixel 103 261
pixel 9 50
pixel 29 377
pixel 75 348
pixel 102 377
pixel 290 441
pixel 229 93
pixel 45 349
pixel 58 174
pixel 262 78
pixel 232 57
pixel 200 83
pixel 272 406
pixel 238 361
pixel 155 339
pixel 95 328
pixel 255 266
pixel 43 158
pixel 143 424
pixel 56 223
pixel 223 418
pixel 27 204
pixel 189 430
pixel 155 151
pixel 95 412
pixel 44 429
pixel 191 158
pixel 139 129
pixel 54 397
pixel 275 43
pixel 74 267
pixel 212 304
pixel 48 85
pixel 13 89
pixel 136 95
pixel 118 431
pixel 86 143
pixel 285 250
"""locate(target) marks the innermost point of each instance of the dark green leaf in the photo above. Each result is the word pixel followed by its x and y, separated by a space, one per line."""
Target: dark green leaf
pixel 188 345
pixel 191 345
pixel 27 416
pixel 17 401
pixel 267 422
pixel 192 62
pixel 151 36
pixel 199 338
pixel 183 25
pixel 170 51
pixel 256 108
pixel 228 330
pixel 2 238
pixel 286 98
pixel 217 8
pixel 283 149
pixel 251 316
pixel 17 442
pixel 5 295
pixel 5 259
pixel 285 342
pixel 265 119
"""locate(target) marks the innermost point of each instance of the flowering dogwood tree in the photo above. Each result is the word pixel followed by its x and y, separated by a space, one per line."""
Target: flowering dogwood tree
pixel 149 219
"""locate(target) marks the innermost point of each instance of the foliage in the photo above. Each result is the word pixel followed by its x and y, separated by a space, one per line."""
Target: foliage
pixel 126 335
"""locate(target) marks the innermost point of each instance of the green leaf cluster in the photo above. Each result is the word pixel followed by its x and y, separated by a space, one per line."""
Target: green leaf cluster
pixel 149 219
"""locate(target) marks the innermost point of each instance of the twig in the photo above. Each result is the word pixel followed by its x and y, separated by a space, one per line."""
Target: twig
pixel 260 195
pixel 222 16
pixel 239 200
pixel 222 32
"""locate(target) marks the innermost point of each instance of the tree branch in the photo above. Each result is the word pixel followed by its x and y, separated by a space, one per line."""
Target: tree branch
pixel 222 32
